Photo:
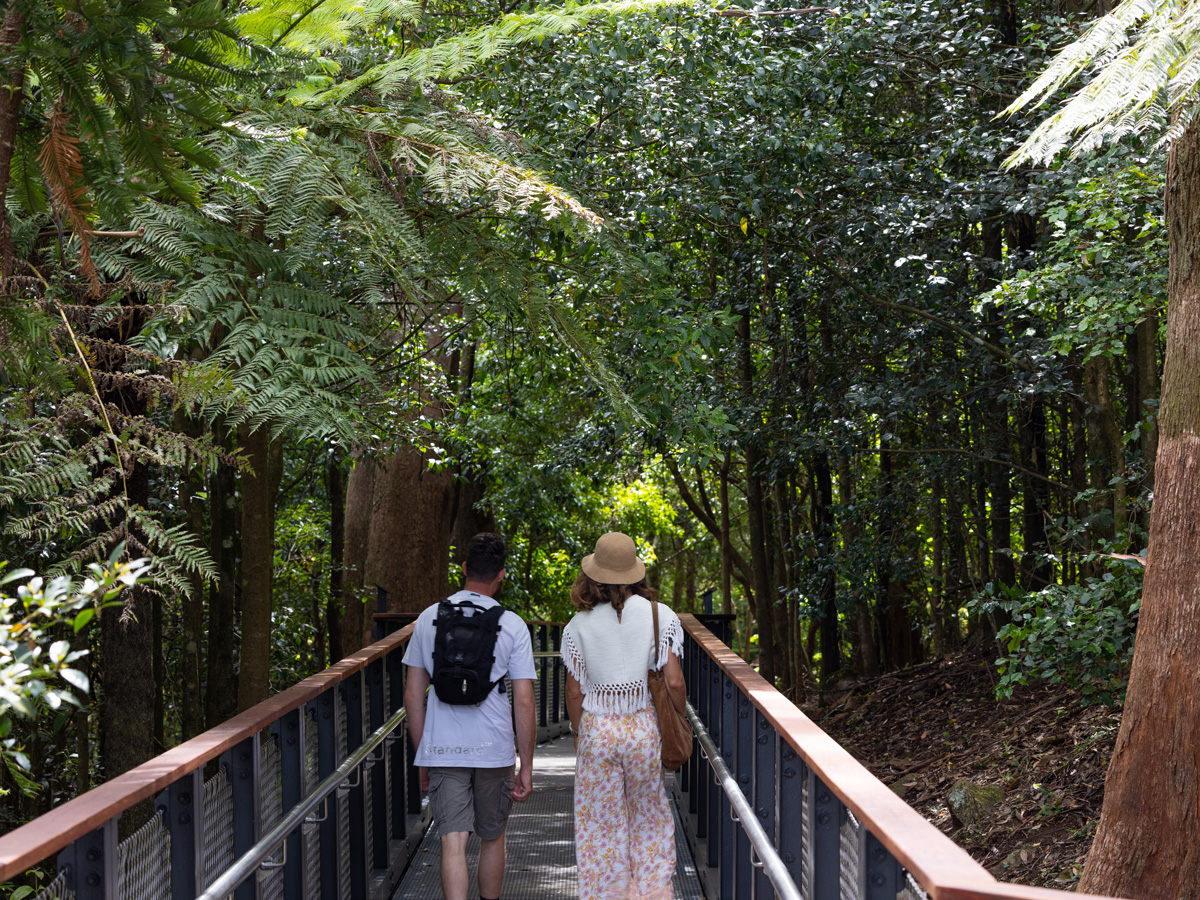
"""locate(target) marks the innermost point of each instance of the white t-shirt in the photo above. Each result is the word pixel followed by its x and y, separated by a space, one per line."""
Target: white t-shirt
pixel 479 736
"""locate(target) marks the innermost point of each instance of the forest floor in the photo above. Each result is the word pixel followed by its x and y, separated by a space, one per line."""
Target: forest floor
pixel 923 729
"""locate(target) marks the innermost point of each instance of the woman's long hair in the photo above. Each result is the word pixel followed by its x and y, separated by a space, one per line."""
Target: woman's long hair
pixel 588 594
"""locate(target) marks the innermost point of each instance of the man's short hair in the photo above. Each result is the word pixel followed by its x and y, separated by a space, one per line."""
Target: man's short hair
pixel 485 557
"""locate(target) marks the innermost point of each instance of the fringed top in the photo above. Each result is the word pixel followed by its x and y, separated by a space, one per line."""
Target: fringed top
pixel 609 657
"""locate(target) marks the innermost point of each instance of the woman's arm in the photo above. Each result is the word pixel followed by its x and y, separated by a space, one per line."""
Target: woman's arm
pixel 575 703
pixel 676 689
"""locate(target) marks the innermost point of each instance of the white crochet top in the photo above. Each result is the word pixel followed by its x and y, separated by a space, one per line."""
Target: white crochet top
pixel 609 657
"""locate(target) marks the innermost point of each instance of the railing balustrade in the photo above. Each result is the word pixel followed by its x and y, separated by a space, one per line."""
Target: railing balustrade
pixel 841 833
pixel 218 795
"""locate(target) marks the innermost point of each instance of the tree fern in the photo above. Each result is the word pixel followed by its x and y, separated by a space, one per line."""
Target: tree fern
pixel 1146 57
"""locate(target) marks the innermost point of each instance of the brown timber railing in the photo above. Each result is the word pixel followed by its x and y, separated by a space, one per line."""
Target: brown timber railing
pixel 841 833
pixel 220 798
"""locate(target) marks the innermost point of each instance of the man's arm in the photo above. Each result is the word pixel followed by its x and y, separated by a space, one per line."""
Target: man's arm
pixel 526 725
pixel 415 686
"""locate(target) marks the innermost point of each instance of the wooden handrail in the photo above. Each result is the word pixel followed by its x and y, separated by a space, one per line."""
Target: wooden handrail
pixel 35 841
pixel 943 868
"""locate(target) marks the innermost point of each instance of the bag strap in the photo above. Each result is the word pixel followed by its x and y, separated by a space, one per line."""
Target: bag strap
pixel 654 615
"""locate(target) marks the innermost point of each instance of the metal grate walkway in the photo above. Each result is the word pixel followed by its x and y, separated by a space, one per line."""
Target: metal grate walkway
pixel 541 846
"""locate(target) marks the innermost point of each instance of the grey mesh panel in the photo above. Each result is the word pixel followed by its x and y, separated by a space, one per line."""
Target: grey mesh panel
pixel 144 863
pixel 218 827
pixel 848 858
pixel 910 890
pixel 270 793
pixel 311 834
pixel 56 890
pixel 343 804
pixel 806 849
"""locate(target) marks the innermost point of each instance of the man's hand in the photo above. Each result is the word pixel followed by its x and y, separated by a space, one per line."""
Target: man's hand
pixel 523 789
pixel 423 774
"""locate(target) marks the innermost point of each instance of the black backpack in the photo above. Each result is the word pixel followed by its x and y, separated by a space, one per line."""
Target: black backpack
pixel 464 650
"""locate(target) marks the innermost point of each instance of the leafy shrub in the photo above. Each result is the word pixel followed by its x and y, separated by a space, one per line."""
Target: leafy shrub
pixel 35 663
pixel 1081 635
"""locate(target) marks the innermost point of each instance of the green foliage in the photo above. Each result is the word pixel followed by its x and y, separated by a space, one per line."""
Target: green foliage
pixel 1147 58
pixel 35 659
pixel 1080 635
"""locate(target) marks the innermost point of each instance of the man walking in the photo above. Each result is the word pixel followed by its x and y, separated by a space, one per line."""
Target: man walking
pixel 464 743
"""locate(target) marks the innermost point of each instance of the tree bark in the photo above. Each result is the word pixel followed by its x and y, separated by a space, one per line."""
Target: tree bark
pixel 1148 388
pixel 823 528
pixel 220 701
pixel 1145 845
pixel 360 492
pixel 191 489
pixel 12 92
pixel 337 559
pixel 258 560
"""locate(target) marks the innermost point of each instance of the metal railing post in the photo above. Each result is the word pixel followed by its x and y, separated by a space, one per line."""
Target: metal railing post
pixel 289 732
pixel 243 768
pixel 765 783
pixel 397 749
pixel 377 771
pixel 556 642
pixel 181 808
pixel 357 852
pixel 325 715
pixel 825 815
pixel 789 810
pixel 882 876
pixel 727 744
pixel 91 863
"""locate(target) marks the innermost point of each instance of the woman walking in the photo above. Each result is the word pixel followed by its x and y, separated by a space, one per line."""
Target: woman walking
pixel 624 831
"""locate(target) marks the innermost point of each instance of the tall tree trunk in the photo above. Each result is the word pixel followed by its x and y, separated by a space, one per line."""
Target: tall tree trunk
pixel 360 492
pixel 12 93
pixel 1147 369
pixel 1106 450
pixel 126 643
pixel 191 490
pixel 937 553
pixel 823 532
pixel 1036 566
pixel 220 700
pixel 336 479
pixel 1145 845
pixel 755 514
pixel 726 555
pixel 258 561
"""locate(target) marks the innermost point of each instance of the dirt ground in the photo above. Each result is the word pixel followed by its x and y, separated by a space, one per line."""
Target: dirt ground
pixel 927 727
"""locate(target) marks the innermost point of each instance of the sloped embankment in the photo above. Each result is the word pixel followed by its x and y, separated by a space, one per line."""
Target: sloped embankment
pixel 1039 756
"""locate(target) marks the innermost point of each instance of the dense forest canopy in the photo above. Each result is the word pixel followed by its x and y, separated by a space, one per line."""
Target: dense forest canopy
pixel 299 297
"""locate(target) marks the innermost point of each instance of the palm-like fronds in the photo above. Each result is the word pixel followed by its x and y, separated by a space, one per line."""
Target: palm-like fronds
pixel 458 55
pixel 1147 59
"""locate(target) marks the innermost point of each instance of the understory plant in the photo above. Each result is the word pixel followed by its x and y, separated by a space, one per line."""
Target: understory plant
pixel 1077 634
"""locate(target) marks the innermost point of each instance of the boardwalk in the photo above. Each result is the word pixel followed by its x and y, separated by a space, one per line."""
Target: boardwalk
pixel 541 849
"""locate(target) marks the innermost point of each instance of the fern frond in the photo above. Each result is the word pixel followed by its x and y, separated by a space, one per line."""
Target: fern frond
pixel 63 169
pixel 1147 57
pixel 460 54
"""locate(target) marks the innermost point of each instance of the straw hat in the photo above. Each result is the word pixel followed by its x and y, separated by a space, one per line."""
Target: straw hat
pixel 615 561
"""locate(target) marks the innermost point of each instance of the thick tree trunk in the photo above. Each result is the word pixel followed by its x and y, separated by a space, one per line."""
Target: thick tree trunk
pixel 258 560
pixel 1145 845
pixel 404 525
pixel 191 490
pixel 360 492
pixel 726 555
pixel 126 645
pixel 220 701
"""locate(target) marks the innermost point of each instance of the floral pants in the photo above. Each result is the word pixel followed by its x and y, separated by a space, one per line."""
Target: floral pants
pixel 624 831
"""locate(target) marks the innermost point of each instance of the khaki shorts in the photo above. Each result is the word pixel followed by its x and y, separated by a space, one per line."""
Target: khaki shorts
pixel 467 799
